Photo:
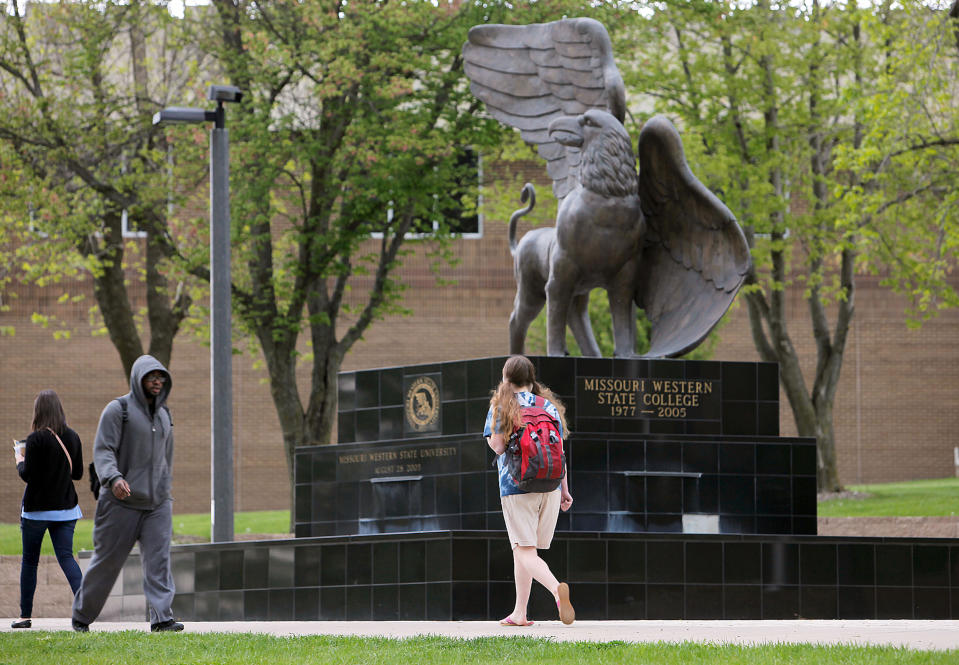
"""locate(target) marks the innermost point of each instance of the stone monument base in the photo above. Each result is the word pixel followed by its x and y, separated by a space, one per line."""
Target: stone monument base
pixel 468 575
pixel 657 446
pixel 679 478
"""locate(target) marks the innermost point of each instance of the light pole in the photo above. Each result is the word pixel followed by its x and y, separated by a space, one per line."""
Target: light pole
pixel 221 345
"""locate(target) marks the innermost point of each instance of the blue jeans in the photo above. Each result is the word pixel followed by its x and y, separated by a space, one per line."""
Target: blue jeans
pixel 61 534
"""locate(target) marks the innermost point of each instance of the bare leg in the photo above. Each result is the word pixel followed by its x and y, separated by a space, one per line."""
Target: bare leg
pixel 524 583
pixel 528 566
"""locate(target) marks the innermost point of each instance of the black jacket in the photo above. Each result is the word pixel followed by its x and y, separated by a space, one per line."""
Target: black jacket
pixel 46 471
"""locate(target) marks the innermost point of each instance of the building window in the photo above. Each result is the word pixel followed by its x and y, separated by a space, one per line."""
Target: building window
pixel 128 230
pixel 453 213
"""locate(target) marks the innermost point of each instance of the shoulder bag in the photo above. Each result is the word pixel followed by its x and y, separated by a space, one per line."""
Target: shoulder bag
pixel 69 459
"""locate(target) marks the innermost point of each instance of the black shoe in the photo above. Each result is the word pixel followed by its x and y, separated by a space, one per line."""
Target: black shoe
pixel 80 627
pixel 22 623
pixel 168 625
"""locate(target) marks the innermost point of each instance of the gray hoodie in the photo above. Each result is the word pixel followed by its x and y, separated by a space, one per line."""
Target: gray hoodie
pixel 144 455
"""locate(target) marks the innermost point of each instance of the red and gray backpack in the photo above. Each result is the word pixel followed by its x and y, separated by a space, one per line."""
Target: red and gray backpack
pixel 534 454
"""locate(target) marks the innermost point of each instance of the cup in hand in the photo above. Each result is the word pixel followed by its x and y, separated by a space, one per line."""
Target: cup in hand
pixel 18 446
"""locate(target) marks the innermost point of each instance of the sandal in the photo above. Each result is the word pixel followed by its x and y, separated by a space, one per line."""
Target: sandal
pixel 508 621
pixel 566 612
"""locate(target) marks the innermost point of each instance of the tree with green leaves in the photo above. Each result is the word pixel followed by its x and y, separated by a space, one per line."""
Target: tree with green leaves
pixel 79 83
pixel 794 113
pixel 348 149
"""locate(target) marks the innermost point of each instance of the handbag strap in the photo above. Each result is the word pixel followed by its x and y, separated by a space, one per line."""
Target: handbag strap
pixel 69 459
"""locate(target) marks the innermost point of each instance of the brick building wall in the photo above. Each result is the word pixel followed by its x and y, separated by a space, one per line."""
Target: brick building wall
pixel 897 409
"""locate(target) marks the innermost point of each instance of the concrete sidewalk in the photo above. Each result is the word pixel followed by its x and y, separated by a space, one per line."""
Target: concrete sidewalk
pixel 920 635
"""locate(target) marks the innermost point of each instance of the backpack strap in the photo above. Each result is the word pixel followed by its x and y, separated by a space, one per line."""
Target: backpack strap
pixel 540 401
pixel 95 484
pixel 123 406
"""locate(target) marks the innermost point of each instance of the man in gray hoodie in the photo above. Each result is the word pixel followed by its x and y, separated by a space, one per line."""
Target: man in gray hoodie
pixel 133 455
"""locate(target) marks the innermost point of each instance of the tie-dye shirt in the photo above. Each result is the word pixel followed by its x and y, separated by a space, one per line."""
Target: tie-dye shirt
pixel 506 485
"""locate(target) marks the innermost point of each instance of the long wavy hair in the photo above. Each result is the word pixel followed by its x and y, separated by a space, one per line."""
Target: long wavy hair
pixel 48 412
pixel 518 371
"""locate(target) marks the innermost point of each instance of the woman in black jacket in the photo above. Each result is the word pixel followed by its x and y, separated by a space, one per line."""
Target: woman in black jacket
pixel 49 463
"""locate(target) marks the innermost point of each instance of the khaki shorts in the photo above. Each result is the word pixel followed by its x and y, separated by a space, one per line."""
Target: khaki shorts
pixel 531 518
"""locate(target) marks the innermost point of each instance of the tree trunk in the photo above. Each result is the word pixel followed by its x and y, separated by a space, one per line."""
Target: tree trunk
pixel 827 469
pixel 316 426
pixel 110 291
pixel 281 364
pixel 813 413
pixel 165 319
pixel 327 360
pixel 812 410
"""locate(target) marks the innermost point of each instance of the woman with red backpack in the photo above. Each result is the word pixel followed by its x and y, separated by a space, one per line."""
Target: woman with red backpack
pixel 522 409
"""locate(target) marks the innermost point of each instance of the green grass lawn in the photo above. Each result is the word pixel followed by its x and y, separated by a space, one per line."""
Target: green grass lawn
pixel 917 498
pixel 187 527
pixel 39 648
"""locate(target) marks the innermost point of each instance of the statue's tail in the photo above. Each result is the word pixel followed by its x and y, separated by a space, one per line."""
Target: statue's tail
pixel 528 194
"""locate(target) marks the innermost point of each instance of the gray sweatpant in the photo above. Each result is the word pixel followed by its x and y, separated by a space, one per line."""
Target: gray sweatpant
pixel 115 530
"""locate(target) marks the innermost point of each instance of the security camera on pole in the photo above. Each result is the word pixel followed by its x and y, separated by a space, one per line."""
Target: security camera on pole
pixel 221 345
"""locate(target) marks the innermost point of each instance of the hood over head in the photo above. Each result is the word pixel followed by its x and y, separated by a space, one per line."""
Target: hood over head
pixel 143 366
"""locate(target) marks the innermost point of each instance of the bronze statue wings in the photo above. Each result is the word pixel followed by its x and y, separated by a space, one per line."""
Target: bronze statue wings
pixel 529 75
pixel 695 255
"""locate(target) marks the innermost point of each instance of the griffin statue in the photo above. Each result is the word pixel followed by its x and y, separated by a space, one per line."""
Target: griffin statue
pixel 658 240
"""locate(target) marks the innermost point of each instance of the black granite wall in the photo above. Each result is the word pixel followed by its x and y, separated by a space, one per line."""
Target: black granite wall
pixel 657 446
pixel 743 397
pixel 628 482
pixel 468 576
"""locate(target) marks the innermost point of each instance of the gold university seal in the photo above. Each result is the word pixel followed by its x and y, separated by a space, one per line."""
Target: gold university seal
pixel 423 404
